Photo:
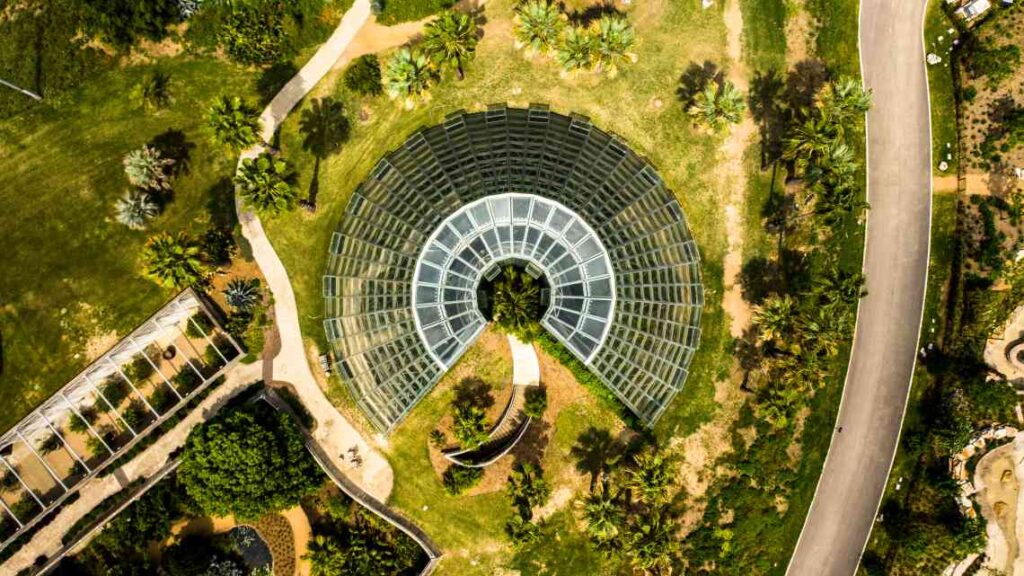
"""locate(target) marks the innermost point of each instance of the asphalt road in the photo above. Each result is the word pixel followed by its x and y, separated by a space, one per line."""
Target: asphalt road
pixel 896 263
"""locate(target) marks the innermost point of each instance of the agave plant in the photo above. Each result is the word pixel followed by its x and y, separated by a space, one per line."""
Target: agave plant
pixel 135 208
pixel 538 26
pixel 147 168
pixel 233 123
pixel 408 75
pixel 265 183
pixel 717 107
pixel 174 261
pixel 451 40
pixel 243 293
pixel 615 37
pixel 577 51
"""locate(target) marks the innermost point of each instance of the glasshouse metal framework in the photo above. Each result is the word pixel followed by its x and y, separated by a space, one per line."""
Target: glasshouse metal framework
pixel 552 191
pixel 85 393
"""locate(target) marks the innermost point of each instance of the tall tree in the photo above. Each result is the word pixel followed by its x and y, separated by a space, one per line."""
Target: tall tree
pixel 174 261
pixel 650 477
pixel 265 184
pixel 250 462
pixel 843 100
pixel 538 26
pixel 451 40
pixel 776 318
pixel 605 517
pixel 233 123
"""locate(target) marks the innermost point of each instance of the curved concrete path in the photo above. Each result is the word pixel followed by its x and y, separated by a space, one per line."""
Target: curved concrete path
pixel 889 318
pixel 334 433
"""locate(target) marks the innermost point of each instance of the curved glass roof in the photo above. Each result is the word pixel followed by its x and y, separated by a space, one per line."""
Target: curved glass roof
pixel 462 196
pixel 525 228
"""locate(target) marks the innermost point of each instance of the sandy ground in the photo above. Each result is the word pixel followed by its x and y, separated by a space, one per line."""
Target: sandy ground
pixel 998 493
pixel 733 172
pixel 798 31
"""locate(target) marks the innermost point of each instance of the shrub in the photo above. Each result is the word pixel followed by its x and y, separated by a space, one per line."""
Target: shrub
pixel 266 184
pixel 186 381
pixel 146 168
pixel 254 33
pixel 218 245
pixel 470 426
pixel 198 325
pixel 249 462
pixel 115 390
pixel 233 123
pixel 162 399
pixel 174 261
pixel 122 22
pixel 138 369
pixel 536 402
pixel 458 479
pixel 438 439
pixel 135 414
pixel 363 76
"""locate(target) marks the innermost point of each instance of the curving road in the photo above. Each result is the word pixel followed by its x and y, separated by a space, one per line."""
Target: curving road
pixel 896 263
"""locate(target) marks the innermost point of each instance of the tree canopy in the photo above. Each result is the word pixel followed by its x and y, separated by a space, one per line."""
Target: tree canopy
pixel 248 463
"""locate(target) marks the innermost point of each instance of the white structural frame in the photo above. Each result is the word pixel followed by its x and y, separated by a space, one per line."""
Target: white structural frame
pixel 568 237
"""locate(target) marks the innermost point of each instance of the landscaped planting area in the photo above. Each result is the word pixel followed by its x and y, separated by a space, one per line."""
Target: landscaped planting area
pixel 683 140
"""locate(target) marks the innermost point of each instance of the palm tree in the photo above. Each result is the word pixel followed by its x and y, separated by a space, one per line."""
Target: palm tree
pixel 265 183
pixel 408 75
pixel 243 293
pixel 603 514
pixel 577 51
pixel 154 91
pixel 810 141
pixel 135 208
pixel 517 303
pixel 233 123
pixel 843 100
pixel 775 318
pixel 451 40
pixel 527 486
pixel 652 545
pixel 717 107
pixel 651 477
pixel 147 168
pixel 174 261
pixel 538 25
pixel 615 38
pixel 521 531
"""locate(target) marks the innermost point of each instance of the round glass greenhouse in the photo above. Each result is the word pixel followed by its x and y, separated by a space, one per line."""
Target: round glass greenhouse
pixel 551 193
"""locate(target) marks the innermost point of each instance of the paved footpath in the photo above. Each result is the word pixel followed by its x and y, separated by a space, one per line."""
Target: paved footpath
pixel 335 434
pixel 47 541
pixel 889 318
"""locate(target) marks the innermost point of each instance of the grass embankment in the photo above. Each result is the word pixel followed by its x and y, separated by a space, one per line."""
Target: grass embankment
pixel 70 279
pixel 941 89
pixel 943 250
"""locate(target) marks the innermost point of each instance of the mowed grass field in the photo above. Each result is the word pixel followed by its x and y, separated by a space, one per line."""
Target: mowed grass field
pixel 69 278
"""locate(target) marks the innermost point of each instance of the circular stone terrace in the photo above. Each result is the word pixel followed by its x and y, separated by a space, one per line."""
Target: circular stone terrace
pixel 550 192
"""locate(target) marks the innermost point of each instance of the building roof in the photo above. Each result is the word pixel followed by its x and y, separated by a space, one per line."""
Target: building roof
pixel 457 199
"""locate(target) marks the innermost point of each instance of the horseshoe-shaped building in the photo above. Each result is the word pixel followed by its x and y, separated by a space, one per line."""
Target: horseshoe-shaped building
pixel 567 200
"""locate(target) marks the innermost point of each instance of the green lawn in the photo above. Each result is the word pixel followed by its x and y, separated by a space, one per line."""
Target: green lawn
pixel 941 89
pixel 70 273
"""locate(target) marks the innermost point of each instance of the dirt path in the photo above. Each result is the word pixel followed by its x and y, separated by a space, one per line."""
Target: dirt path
pixel 301 533
pixel 733 174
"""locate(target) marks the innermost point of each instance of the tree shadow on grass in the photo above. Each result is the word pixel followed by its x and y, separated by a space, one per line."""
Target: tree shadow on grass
pixel 272 79
pixel 695 78
pixel 473 392
pixel 596 452
pixel 173 143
